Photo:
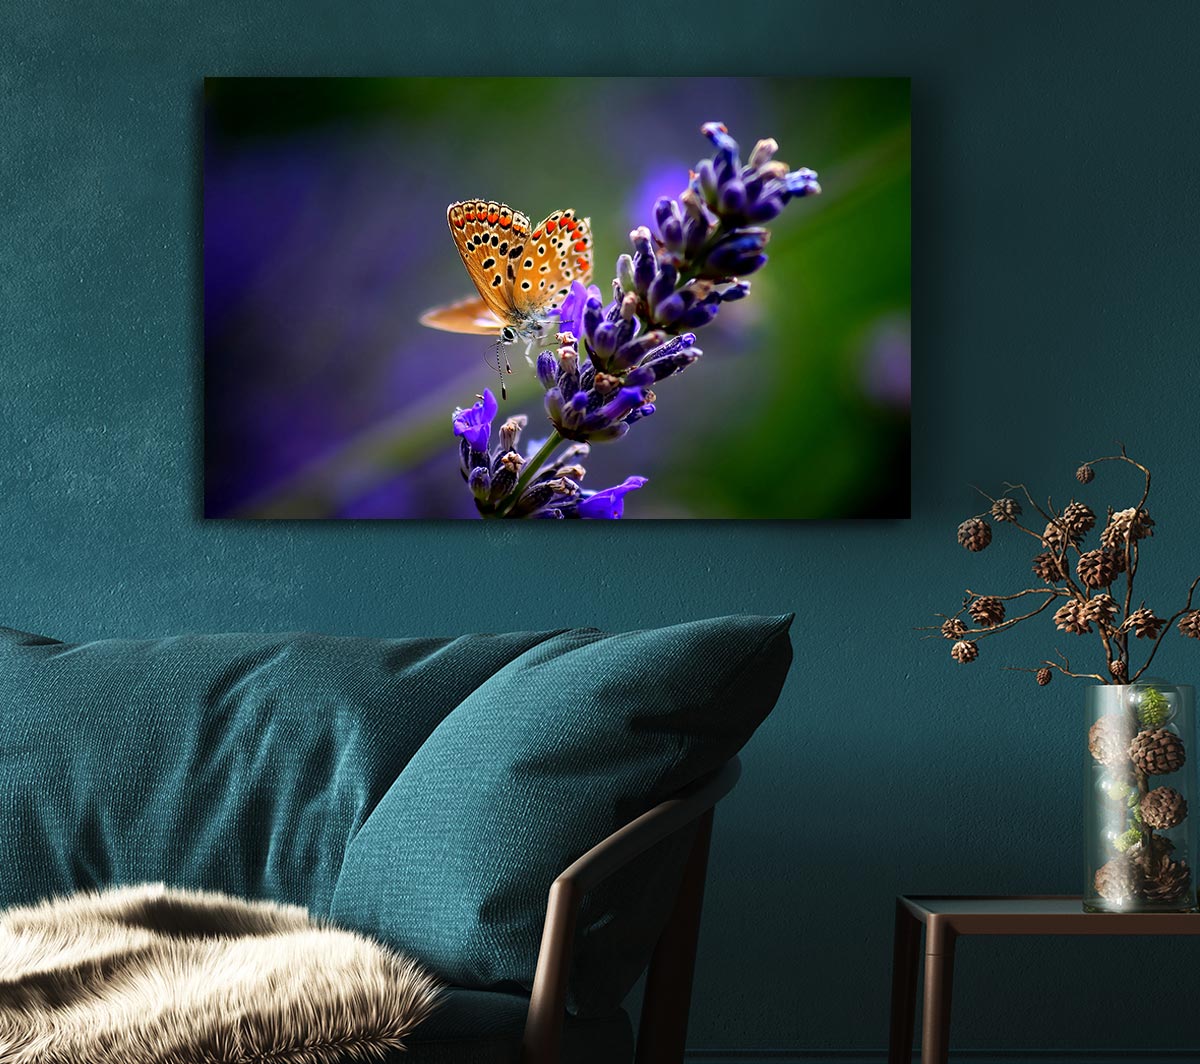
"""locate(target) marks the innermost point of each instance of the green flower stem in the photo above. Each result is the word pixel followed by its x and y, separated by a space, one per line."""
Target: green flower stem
pixel 553 441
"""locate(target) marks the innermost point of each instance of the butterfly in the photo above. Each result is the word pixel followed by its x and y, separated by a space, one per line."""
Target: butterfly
pixel 521 273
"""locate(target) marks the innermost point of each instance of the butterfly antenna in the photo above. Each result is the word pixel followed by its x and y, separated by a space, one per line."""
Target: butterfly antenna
pixel 500 372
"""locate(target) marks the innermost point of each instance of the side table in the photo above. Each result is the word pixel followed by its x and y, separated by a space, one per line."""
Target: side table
pixel 945 918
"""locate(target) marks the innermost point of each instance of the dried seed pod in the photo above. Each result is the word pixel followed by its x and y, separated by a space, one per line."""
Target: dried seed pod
pixel 953 628
pixel 1072 618
pixel 974 534
pixel 1109 738
pixel 1164 808
pixel 1098 568
pixel 987 611
pixel 964 651
pixel 1157 752
pixel 1189 624
pixel 1006 509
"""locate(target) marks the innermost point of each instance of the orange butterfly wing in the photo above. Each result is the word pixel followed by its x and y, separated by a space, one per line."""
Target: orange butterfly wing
pixel 557 253
pixel 470 315
pixel 489 236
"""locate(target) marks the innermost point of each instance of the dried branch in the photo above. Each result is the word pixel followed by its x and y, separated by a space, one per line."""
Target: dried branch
pixel 1187 606
pixel 1114 637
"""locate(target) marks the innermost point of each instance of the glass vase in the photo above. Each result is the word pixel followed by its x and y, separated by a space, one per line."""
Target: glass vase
pixel 1140 839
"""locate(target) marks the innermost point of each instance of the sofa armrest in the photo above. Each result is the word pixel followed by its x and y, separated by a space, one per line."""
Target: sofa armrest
pixel 666 996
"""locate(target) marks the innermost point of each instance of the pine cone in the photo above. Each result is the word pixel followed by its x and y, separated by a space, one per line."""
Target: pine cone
pixel 1144 623
pixel 953 628
pixel 1164 808
pixel 1118 669
pixel 1098 568
pixel 974 533
pixel 1085 474
pixel 1160 846
pixel 1044 676
pixel 1047 567
pixel 1165 880
pixel 1109 738
pixel 1006 510
pixel 1118 879
pixel 1072 618
pixel 1055 537
pixel 987 611
pixel 964 651
pixel 1126 525
pixel 1157 751
pixel 1189 624
pixel 1078 519
pixel 1100 608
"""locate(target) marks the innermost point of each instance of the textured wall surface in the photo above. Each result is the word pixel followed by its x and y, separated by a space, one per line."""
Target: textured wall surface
pixel 1055 250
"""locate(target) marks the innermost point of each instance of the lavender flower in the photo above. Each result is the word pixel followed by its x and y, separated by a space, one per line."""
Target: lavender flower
pixel 474 424
pixel 608 504
pixel 598 382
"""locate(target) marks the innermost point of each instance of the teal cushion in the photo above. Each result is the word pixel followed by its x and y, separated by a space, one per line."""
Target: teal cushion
pixel 565 744
pixel 242 763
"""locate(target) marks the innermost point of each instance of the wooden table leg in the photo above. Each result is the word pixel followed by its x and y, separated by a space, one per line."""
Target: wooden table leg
pixel 939 982
pixel 905 956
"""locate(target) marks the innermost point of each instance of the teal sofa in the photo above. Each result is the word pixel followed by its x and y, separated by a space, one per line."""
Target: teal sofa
pixel 528 813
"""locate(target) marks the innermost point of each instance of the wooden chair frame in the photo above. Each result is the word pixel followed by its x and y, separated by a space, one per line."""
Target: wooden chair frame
pixel 662 1032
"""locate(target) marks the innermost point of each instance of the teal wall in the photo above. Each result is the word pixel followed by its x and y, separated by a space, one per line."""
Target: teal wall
pixel 1056 285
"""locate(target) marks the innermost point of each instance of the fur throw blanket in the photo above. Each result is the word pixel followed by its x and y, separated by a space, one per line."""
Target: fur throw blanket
pixel 147 975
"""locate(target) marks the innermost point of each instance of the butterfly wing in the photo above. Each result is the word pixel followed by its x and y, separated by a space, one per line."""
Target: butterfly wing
pixel 470 315
pixel 490 237
pixel 557 252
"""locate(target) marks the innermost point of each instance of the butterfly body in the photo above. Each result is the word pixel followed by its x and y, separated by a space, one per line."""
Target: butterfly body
pixel 521 272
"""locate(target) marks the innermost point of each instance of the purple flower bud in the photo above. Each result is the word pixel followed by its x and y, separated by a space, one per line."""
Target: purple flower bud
pixel 631 353
pixel 735 292
pixel 669 365
pixel 726 160
pixel 644 269
pixel 604 342
pixel 645 410
pixel 579 401
pixel 669 310
pixel 729 257
pixel 622 403
pixel 553 404
pixel 672 232
pixel 732 198
pixel 642 377
pixel 763 210
pixel 593 314
pixel 706 181
pixel 642 240
pixel 695 233
pixel 664 284
pixel 480 483
pixel 547 369
pixel 625 273
pixel 676 343
pixel 665 209
pixel 803 182
pixel 698 316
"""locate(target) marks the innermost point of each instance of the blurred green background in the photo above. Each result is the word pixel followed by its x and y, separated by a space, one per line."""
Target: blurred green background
pixel 325 238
